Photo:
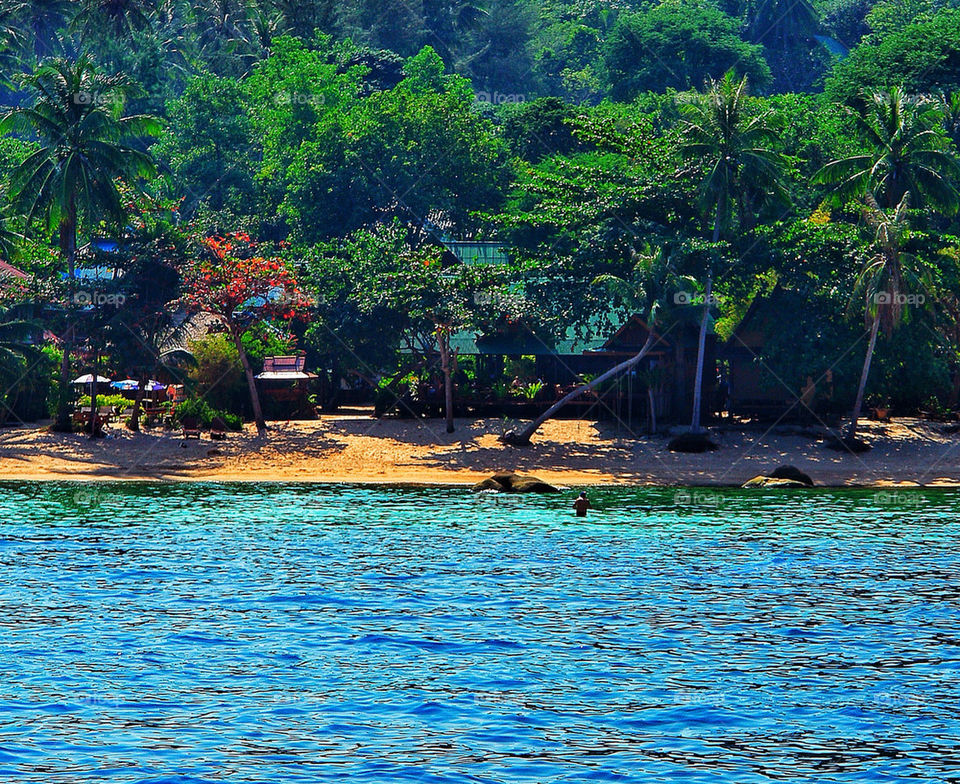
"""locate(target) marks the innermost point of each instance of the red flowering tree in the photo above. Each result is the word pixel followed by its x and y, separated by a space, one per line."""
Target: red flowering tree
pixel 230 280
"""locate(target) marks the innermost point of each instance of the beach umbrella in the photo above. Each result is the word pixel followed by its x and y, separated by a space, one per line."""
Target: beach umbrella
pixel 127 385
pixel 88 379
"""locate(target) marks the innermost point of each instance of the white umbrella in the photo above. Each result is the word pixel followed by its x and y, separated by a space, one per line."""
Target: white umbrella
pixel 88 379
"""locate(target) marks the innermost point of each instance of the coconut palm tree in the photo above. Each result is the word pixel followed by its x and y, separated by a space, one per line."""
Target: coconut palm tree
pixel 85 146
pixel 40 22
pixel 884 282
pixel 782 23
pixel 648 292
pixel 124 17
pixel 730 145
pixel 908 153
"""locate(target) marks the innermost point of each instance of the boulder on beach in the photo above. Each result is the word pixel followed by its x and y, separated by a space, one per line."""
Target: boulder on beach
pixel 850 444
pixel 692 443
pixel 515 483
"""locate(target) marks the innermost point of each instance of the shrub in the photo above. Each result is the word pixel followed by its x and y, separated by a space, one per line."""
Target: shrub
pixel 116 401
pixel 204 413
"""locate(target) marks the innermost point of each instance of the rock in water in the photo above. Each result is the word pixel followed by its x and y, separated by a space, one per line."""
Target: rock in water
pixel 530 484
pixel 771 481
pixel 791 472
pixel 515 483
pixel 489 484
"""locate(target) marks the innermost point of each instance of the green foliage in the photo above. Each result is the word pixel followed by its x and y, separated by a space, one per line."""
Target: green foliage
pixel 112 400
pixel 218 374
pixel 922 56
pixel 678 45
pixel 207 145
pixel 204 413
pixel 355 139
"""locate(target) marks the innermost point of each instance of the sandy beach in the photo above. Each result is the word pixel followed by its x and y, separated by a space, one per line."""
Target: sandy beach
pixel 357 448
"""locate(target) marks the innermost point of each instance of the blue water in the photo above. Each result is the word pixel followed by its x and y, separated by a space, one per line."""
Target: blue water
pixel 291 633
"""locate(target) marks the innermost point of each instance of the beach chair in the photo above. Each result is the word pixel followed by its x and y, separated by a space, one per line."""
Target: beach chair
pixel 218 429
pixel 191 427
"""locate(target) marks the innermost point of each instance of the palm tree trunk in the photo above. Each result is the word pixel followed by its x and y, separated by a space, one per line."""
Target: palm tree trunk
pixel 443 341
pixel 138 403
pixel 252 384
pixel 653 410
pixel 522 438
pixel 93 394
pixel 68 250
pixel 701 350
pixel 852 431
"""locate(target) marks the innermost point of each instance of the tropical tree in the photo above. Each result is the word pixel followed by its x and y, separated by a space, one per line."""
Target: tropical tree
pixel 228 280
pixel 85 146
pixel 782 23
pixel 885 281
pixel 731 147
pixel 41 22
pixel 677 44
pixel 651 289
pixel 123 17
pixel 908 152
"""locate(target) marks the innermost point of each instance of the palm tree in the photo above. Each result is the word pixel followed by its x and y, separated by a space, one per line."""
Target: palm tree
pixel 884 281
pixel 123 16
pixel 647 293
pixel 41 22
pixel 731 145
pixel 908 153
pixel 780 23
pixel 84 147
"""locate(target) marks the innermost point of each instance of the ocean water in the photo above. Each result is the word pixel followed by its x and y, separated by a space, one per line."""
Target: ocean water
pixel 293 633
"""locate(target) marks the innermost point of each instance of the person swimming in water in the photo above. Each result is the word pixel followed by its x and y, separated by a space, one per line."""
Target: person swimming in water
pixel 581 504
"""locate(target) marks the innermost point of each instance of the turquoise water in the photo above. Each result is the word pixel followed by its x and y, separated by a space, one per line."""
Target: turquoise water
pixel 291 633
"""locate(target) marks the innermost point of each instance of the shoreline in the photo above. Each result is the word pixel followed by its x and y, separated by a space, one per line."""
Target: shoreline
pixel 356 449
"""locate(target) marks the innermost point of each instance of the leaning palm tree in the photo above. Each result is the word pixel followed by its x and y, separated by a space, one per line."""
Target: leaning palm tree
pixel 884 282
pixel 650 288
pixel 908 153
pixel 731 145
pixel 85 146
